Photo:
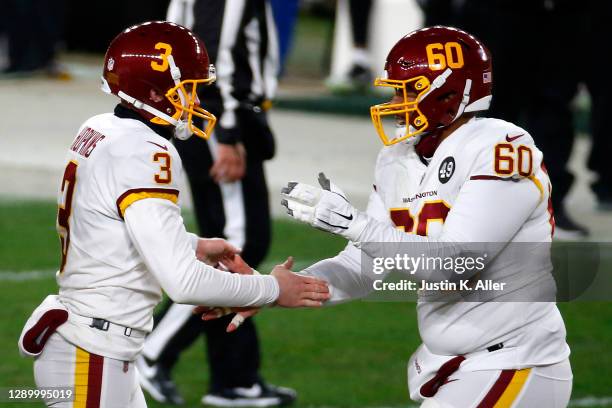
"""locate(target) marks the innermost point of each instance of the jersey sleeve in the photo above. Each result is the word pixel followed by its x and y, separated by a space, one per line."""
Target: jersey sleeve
pixel 153 170
pixel 510 157
pixel 343 272
pixel 490 210
pixel 158 233
pixel 507 152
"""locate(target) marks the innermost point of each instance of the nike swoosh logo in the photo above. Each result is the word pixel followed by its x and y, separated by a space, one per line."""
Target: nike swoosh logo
pixel 513 138
pixel 158 145
pixel 40 336
pixel 344 216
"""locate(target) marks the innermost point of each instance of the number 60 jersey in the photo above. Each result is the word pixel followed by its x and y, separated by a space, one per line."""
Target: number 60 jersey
pixel 485 183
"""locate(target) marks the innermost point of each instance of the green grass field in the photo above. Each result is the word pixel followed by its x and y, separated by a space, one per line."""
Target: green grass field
pixel 352 355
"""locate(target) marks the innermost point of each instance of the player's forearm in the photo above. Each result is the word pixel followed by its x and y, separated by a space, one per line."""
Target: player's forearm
pixel 194 239
pixel 166 248
pixel 381 240
pixel 204 285
pixel 343 273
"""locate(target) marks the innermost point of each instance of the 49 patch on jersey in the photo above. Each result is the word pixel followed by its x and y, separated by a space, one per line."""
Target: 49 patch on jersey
pixel 446 170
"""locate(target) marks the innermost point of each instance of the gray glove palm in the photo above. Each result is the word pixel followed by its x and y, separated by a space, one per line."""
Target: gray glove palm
pixel 325 208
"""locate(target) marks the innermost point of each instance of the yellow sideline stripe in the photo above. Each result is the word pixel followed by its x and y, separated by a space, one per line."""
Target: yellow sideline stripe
pixel 513 389
pixel 538 185
pixel 132 198
pixel 81 376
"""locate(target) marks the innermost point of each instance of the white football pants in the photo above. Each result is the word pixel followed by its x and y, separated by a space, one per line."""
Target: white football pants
pixel 542 387
pixel 98 382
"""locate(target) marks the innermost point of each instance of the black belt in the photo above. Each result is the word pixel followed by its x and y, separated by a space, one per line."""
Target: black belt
pixel 495 347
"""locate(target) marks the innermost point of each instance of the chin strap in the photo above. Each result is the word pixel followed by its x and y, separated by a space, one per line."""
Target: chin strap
pixel 479 104
pixel 181 129
pixel 465 99
pixel 438 82
pixel 141 105
pixel 176 77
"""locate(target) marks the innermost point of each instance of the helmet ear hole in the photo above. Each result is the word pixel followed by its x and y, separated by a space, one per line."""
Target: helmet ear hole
pixel 155 96
pixel 445 97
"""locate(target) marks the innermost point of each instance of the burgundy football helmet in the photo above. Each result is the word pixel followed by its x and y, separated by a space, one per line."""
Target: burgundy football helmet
pixel 156 68
pixel 440 72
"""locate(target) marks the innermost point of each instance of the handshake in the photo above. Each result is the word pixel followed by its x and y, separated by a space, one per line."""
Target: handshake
pixel 294 290
pixel 326 208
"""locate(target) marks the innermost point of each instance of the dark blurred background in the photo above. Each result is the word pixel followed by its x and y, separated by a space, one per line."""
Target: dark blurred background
pixel 91 27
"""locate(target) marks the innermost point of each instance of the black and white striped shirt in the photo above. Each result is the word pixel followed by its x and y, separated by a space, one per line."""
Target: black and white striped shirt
pixel 241 39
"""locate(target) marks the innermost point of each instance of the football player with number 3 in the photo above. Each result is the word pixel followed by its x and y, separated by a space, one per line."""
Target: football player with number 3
pixel 444 179
pixel 122 235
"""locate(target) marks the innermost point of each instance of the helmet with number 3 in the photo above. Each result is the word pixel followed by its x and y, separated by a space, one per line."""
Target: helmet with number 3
pixel 156 68
pixel 438 73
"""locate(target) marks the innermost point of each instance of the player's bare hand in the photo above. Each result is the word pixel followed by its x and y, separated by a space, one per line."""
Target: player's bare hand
pixel 212 313
pixel 230 163
pixel 215 250
pixel 234 264
pixel 238 265
pixel 297 290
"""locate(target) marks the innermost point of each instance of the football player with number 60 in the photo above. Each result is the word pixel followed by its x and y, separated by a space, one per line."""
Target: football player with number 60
pixel 122 235
pixel 445 179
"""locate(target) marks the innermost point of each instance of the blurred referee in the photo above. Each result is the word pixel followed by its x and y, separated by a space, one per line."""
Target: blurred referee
pixel 230 197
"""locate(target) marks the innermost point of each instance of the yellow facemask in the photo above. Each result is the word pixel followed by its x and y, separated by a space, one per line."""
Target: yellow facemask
pixel 405 108
pixel 185 101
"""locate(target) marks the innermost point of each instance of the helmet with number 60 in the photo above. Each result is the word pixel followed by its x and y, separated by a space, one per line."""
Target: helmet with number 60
pixel 156 67
pixel 438 73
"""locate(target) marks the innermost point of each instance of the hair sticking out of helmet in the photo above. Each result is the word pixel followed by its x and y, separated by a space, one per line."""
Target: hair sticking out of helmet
pixel 156 68
pixel 437 74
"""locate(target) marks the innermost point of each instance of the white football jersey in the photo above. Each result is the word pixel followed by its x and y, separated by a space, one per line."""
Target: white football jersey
pixel 484 184
pixel 448 200
pixel 111 163
pixel 123 238
pixel 109 166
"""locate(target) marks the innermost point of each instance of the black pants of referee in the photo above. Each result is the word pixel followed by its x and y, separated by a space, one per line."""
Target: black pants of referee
pixel 240 213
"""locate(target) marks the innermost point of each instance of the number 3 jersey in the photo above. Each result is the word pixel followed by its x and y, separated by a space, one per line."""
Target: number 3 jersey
pixel 485 184
pixel 123 239
pixel 112 163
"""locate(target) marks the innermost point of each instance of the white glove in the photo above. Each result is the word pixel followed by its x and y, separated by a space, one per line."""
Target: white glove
pixel 324 208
